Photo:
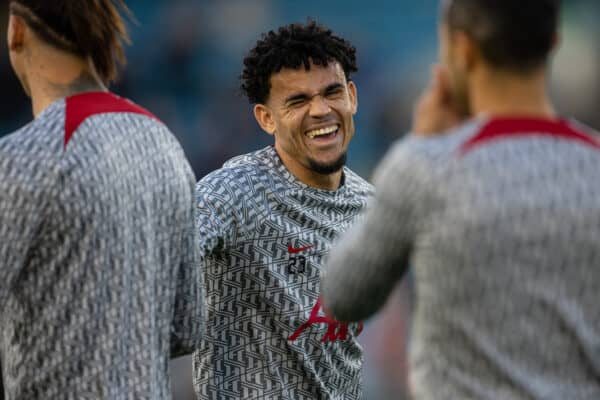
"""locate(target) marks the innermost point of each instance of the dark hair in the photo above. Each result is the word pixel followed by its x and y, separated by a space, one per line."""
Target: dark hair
pixel 89 28
pixel 293 46
pixel 511 34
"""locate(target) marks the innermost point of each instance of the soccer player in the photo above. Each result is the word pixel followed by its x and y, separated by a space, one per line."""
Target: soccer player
pixel 500 219
pixel 98 278
pixel 267 219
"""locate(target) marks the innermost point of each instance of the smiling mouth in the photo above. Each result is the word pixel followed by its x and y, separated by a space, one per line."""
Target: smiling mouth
pixel 326 131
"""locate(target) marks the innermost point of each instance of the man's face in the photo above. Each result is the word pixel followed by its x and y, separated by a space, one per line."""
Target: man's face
pixel 450 57
pixel 312 117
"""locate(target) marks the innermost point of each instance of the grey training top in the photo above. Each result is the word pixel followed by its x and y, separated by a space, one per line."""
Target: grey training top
pixel 263 236
pixel 98 282
pixel 501 222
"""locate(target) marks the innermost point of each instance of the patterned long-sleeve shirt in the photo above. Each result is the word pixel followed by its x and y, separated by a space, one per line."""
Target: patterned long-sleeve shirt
pixel 99 281
pixel 500 221
pixel 263 235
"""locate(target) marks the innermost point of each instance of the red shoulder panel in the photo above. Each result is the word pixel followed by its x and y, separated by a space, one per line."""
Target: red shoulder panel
pixel 504 128
pixel 82 106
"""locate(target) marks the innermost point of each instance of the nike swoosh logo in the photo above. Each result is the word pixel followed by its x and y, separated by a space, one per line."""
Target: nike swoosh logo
pixel 294 250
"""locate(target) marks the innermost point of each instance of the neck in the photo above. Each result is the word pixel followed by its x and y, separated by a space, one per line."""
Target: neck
pixel 330 182
pixel 54 75
pixel 504 94
pixel 309 177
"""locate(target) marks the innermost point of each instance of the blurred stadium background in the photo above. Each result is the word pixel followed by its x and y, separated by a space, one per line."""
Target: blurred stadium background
pixel 184 65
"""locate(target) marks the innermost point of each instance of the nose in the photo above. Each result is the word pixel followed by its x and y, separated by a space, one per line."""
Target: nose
pixel 319 107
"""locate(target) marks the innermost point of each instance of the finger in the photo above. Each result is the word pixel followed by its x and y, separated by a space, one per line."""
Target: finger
pixel 435 78
pixel 438 88
pixel 449 99
pixel 432 96
pixel 445 91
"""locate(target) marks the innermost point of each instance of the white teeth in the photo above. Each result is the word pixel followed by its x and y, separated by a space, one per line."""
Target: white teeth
pixel 322 131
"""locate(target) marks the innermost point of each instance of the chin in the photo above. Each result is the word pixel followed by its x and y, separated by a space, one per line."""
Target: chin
pixel 328 167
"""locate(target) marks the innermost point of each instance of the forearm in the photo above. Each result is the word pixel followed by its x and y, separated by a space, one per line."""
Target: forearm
pixel 364 267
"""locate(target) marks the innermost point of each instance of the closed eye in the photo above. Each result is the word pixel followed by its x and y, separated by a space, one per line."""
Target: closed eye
pixel 296 100
pixel 334 90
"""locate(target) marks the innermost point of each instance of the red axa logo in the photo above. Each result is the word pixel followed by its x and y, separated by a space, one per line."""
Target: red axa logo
pixel 335 330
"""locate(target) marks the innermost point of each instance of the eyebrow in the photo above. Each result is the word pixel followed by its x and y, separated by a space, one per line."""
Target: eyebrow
pixel 304 96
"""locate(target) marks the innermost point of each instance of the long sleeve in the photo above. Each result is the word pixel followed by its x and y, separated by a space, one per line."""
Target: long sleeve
pixel 189 321
pixel 213 225
pixel 216 214
pixel 22 202
pixel 367 262
pixel 217 219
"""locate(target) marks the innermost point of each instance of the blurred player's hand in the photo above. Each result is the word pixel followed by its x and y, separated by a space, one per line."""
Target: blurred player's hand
pixel 434 112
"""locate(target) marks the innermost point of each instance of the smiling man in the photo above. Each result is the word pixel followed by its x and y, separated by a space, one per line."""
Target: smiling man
pixel 267 219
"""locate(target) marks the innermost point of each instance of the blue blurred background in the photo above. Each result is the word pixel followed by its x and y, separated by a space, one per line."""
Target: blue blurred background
pixel 184 65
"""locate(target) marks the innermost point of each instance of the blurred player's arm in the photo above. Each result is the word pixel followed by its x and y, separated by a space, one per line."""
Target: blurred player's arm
pixel 189 319
pixel 367 262
pixel 22 203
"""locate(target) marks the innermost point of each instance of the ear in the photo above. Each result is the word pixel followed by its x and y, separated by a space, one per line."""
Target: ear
pixel 17 29
pixel 353 96
pixel 264 117
pixel 466 52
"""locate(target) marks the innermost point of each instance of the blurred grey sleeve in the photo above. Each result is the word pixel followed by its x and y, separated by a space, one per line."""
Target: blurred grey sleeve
pixel 22 201
pixel 372 256
pixel 189 318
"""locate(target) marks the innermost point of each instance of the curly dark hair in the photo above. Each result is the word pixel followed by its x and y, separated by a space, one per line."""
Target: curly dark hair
pixel 292 46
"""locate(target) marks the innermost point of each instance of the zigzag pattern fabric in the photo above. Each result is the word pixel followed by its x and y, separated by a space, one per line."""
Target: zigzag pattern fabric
pixel 99 279
pixel 263 236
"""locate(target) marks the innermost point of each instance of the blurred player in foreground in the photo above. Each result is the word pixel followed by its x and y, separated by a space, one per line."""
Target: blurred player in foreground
pixel 500 219
pixel 267 219
pixel 96 220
